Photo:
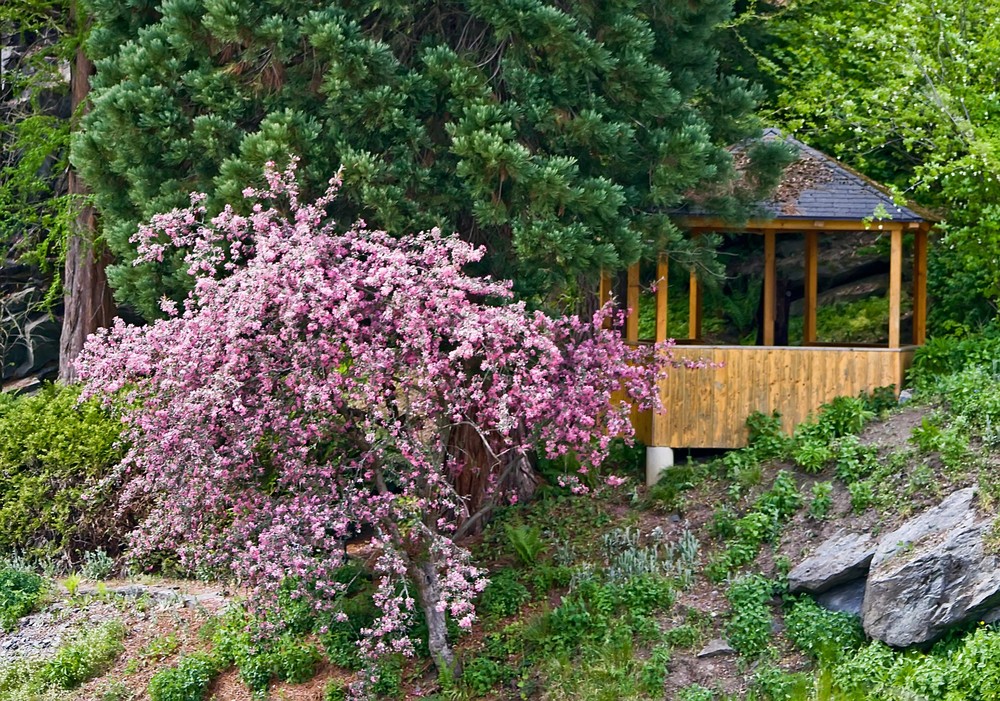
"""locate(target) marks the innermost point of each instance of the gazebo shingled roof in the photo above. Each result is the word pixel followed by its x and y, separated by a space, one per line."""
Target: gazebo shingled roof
pixel 818 187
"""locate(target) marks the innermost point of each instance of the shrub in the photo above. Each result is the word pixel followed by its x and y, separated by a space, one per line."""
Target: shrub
pixel 819 505
pixel 504 595
pixel 695 692
pixel 771 683
pixel 97 565
pixel 52 451
pixel 20 592
pixel 188 680
pixel 481 674
pixel 749 626
pixel 845 415
pixel 682 636
pixel 854 461
pixel 812 454
pixel 669 489
pixel 826 636
pixel 653 673
pixel 862 495
pixel 783 498
pixel 86 656
pixel 766 438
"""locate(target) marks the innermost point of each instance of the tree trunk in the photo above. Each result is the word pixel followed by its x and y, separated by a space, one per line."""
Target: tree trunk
pixel 425 578
pixel 517 473
pixel 88 304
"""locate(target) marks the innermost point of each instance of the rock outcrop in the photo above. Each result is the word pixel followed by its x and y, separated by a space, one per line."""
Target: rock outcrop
pixel 931 574
pixel 839 559
pixel 926 577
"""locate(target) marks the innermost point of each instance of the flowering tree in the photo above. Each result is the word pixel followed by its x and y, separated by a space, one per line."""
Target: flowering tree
pixel 310 385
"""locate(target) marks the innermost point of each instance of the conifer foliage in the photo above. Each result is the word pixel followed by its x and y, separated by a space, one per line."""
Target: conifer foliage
pixel 557 133
pixel 308 388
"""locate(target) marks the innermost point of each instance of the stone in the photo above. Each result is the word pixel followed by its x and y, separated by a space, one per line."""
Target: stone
pixel 715 648
pixel 844 598
pixel 842 557
pixel 931 574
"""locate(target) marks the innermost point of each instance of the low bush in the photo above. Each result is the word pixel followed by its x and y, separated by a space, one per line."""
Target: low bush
pixel 188 680
pixel 822 500
pixel 749 627
pixel 504 595
pixel 826 636
pixel 86 656
pixel 52 451
pixel 20 591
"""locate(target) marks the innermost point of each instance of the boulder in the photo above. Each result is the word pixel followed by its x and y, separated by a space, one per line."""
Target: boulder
pixel 841 558
pixel 931 574
pixel 844 598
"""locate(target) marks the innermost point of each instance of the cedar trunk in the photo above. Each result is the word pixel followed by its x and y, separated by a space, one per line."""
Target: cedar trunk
pixel 87 300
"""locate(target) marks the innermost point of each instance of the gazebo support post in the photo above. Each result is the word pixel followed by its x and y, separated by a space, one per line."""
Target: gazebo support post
pixel 770 286
pixel 662 298
pixel 694 306
pixel 604 292
pixel 632 293
pixel 812 285
pixel 895 284
pixel 920 286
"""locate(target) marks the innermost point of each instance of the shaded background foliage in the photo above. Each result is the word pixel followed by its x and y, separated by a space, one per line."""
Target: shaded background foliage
pixel 557 133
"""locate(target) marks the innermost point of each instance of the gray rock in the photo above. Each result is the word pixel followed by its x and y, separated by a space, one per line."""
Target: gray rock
pixel 931 574
pixel 844 598
pixel 841 558
pixel 715 648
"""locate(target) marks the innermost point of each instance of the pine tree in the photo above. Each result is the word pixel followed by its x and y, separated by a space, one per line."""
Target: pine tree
pixel 557 133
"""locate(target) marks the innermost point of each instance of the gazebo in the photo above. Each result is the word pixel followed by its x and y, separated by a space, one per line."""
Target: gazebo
pixel 708 408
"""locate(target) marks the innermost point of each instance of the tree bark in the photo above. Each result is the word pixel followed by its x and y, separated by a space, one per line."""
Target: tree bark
pixel 517 473
pixel 88 304
pixel 425 578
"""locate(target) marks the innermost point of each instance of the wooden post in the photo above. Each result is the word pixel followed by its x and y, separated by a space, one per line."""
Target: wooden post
pixel 920 285
pixel 895 285
pixel 604 294
pixel 770 286
pixel 661 298
pixel 812 284
pixel 632 320
pixel 694 306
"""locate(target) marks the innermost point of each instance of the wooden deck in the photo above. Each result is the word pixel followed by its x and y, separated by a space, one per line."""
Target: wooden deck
pixel 708 408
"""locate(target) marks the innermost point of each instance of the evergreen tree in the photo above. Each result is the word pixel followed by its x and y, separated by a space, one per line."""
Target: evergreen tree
pixel 558 133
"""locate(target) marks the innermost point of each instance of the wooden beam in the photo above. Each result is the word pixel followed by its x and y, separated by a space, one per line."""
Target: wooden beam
pixel 632 320
pixel 662 297
pixel 694 306
pixel 770 286
pixel 920 286
pixel 895 286
pixel 812 285
pixel 789 225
